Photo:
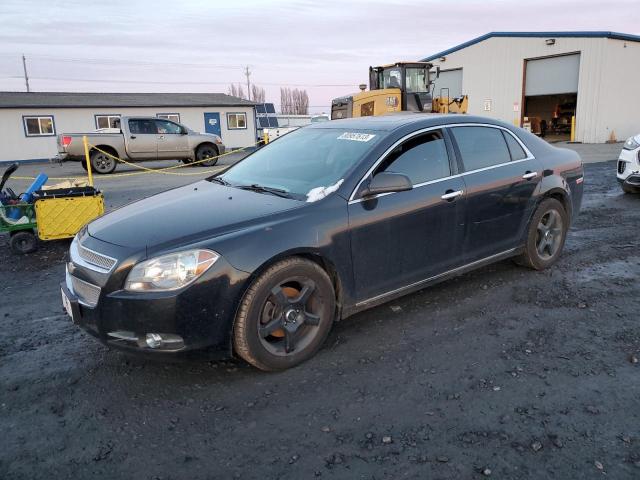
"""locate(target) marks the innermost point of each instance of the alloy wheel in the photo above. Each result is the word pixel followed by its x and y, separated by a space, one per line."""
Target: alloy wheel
pixel 549 234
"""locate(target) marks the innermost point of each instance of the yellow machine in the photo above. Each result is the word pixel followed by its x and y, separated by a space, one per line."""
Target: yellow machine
pixel 398 87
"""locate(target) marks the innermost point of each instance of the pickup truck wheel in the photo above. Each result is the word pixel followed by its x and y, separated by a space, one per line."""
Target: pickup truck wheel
pixel 101 163
pixel 207 151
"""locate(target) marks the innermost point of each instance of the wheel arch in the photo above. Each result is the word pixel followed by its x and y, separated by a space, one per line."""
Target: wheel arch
pixel 105 148
pixel 562 196
pixel 205 142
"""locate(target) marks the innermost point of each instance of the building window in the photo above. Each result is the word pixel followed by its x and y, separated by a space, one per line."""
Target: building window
pixel 107 121
pixel 39 126
pixel 174 117
pixel 236 121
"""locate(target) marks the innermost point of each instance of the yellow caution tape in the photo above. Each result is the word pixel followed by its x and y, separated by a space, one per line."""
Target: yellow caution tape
pixel 146 170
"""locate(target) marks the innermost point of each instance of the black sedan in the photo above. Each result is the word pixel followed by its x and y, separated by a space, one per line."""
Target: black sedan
pixel 329 220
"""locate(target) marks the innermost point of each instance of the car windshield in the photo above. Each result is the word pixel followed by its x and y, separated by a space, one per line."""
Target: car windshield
pixel 306 164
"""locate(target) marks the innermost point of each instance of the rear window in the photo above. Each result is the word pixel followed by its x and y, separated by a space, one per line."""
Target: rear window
pixel 481 147
pixel 142 126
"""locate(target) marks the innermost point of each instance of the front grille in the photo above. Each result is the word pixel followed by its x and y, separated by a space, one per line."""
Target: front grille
pixel 621 166
pixel 86 292
pixel 95 258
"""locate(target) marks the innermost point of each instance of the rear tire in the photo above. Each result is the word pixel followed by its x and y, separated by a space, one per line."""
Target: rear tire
pixel 206 151
pixel 101 163
pixel 546 235
pixel 285 315
pixel 23 242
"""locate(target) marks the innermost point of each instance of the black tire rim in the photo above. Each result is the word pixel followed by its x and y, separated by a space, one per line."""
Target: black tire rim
pixel 206 153
pixel 290 316
pixel 103 163
pixel 549 234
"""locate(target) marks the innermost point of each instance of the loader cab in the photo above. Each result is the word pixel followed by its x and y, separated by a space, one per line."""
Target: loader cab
pixel 413 79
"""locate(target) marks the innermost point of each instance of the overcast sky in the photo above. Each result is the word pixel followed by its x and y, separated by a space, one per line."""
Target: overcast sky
pixel 202 46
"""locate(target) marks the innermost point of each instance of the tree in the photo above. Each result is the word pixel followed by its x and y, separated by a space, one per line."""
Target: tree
pixel 258 94
pixel 236 91
pixel 294 101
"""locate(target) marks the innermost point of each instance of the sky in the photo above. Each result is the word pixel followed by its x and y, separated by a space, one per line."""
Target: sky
pixel 325 47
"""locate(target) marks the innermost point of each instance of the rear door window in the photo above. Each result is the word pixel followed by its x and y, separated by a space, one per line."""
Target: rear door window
pixel 142 126
pixel 422 158
pixel 517 153
pixel 481 147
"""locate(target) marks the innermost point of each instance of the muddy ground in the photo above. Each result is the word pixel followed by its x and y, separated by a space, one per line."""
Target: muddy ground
pixel 503 372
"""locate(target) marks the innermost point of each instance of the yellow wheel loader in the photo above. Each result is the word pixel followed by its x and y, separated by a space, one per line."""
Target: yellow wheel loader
pixel 398 87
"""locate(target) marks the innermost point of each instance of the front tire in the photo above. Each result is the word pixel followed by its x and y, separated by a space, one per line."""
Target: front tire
pixel 546 235
pixel 102 163
pixel 285 315
pixel 207 151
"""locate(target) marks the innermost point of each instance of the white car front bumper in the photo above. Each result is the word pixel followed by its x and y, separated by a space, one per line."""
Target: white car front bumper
pixel 628 165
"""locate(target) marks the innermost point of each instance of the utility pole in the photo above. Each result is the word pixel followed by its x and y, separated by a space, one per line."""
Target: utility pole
pixel 24 67
pixel 247 74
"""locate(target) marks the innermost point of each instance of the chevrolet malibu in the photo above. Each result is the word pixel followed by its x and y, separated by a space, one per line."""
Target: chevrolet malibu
pixel 259 261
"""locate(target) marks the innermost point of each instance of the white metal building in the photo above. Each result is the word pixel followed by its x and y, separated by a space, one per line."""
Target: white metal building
pixel 30 121
pixel 550 77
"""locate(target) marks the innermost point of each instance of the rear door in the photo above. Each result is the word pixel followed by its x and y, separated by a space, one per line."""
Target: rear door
pixel 172 143
pixel 212 123
pixel 501 178
pixel 401 238
pixel 142 139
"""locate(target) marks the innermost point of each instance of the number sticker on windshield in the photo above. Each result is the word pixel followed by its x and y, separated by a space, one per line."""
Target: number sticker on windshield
pixel 356 137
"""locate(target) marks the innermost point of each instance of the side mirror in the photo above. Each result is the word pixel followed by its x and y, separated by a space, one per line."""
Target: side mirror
pixel 386 182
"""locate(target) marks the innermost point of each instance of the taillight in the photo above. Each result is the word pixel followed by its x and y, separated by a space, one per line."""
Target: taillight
pixel 66 141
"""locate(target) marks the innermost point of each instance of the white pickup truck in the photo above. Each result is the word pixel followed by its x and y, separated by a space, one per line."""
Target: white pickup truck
pixel 141 138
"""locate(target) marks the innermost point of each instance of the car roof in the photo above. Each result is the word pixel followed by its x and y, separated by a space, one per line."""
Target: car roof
pixel 397 120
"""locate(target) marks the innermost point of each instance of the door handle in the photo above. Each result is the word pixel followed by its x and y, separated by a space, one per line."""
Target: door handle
pixel 132 136
pixel 161 137
pixel 530 175
pixel 451 195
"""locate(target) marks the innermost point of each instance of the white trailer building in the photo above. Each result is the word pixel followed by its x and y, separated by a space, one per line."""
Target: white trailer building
pixel 548 77
pixel 30 121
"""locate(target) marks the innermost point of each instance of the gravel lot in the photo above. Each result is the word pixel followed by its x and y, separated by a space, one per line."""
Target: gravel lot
pixel 503 372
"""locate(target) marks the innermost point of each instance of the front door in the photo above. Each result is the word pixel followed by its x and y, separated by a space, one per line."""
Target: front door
pixel 142 142
pixel 501 179
pixel 402 238
pixel 172 140
pixel 212 123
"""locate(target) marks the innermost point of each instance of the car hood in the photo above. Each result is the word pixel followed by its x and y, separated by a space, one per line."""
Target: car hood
pixel 187 214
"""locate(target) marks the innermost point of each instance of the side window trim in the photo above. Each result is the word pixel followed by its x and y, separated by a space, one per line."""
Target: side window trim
pixel 462 171
pixel 387 152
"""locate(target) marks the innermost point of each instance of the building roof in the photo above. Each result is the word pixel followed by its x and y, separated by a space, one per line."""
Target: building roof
pixel 105 100
pixel 597 34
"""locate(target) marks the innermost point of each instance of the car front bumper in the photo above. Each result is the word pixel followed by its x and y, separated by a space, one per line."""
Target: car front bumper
pixel 196 317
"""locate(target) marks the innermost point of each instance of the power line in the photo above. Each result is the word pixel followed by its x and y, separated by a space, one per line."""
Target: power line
pixel 175 82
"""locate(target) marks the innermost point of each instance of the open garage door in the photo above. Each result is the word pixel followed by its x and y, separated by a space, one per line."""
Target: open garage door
pixel 551 94
pixel 448 79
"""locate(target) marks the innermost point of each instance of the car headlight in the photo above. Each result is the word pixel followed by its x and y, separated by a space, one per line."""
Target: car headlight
pixel 632 143
pixel 170 272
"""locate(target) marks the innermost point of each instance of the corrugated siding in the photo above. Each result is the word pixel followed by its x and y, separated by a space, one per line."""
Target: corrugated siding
pixel 493 70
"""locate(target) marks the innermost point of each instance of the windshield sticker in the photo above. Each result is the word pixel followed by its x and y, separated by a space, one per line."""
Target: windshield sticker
pixel 356 137
pixel 319 193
